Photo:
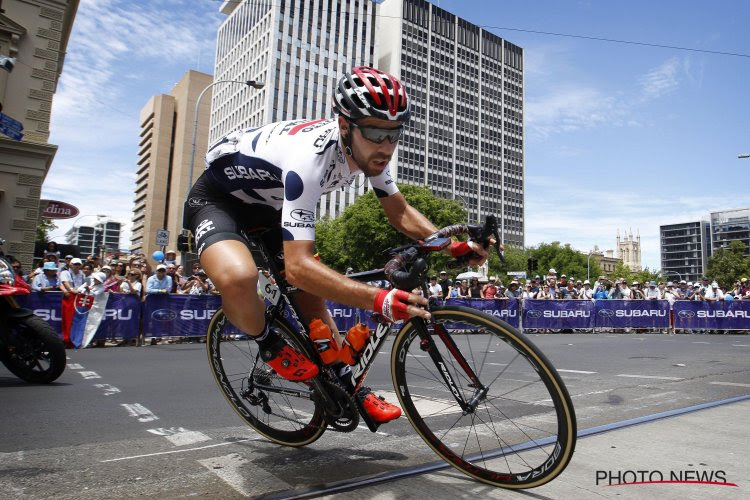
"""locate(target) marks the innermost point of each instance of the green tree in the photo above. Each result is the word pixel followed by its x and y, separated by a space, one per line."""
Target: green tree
pixel 565 260
pixel 362 233
pixel 43 228
pixel 729 264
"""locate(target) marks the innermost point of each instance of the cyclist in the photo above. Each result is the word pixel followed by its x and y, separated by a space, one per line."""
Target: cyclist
pixel 273 177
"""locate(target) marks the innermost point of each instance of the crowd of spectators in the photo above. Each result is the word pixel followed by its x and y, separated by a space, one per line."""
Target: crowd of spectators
pixel 565 288
pixel 131 274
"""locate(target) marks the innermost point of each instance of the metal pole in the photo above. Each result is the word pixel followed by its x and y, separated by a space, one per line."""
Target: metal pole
pixel 249 83
pixel 588 267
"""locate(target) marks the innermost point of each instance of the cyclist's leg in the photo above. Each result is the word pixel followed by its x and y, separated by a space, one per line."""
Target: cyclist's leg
pixel 232 269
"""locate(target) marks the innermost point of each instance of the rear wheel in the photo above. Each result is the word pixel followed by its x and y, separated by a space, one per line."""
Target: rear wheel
pixel 33 351
pixel 520 431
pixel 285 412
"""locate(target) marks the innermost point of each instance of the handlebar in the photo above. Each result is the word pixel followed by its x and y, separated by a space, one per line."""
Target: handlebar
pixel 413 256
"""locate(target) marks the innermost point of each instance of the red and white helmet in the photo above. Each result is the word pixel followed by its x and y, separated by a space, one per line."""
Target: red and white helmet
pixel 370 92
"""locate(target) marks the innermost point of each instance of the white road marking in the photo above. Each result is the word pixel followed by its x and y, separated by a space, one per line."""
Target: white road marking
pixel 740 345
pixel 88 375
pixel 701 342
pixel 180 436
pixel 108 389
pixel 577 371
pixel 75 366
pixel 140 411
pixel 650 376
pixel 181 451
pixel 733 384
pixel 365 428
pixel 659 395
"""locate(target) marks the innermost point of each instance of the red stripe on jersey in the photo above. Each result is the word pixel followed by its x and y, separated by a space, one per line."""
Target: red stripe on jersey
pixel 303 125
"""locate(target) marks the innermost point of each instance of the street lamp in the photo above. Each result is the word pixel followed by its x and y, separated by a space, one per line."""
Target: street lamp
pixel 250 83
pixel 743 155
pixel 588 266
pixel 667 273
pixel 466 206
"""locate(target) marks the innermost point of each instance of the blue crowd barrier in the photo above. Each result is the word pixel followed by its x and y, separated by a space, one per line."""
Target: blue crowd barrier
pixel 175 315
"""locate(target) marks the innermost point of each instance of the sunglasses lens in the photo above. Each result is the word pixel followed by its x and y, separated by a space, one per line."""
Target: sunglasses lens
pixel 378 135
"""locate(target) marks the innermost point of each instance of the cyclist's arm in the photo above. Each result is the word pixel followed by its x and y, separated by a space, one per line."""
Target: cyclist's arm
pixel 410 221
pixel 304 271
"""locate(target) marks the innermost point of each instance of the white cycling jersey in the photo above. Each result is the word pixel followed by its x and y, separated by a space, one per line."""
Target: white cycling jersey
pixel 288 166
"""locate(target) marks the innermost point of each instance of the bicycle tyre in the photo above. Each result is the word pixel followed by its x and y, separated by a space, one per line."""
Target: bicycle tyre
pixel 523 433
pixel 33 350
pixel 234 361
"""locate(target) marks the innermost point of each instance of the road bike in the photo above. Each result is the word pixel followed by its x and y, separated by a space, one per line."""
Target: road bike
pixel 476 390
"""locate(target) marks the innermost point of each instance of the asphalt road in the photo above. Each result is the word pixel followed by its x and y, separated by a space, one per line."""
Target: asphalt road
pixel 135 421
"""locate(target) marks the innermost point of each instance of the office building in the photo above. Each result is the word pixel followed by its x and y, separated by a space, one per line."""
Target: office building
pixel 467 138
pixel 466 85
pixel 730 225
pixel 92 240
pixel 33 40
pixel 162 171
pixel 685 248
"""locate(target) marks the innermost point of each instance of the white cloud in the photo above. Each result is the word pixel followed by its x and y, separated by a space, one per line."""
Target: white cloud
pixel 665 78
pixel 593 216
pixel 120 54
pixel 572 107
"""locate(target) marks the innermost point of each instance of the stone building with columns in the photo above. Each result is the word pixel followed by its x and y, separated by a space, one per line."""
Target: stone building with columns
pixel 34 35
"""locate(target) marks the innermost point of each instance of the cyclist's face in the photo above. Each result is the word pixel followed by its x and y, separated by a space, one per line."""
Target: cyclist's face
pixel 371 158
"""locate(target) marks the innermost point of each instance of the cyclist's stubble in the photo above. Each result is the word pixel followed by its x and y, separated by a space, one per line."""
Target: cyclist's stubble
pixel 369 157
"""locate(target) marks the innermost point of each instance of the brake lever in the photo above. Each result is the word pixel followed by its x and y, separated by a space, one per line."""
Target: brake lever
pixel 483 235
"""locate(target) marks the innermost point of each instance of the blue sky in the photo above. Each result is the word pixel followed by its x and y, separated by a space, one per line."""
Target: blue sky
pixel 618 136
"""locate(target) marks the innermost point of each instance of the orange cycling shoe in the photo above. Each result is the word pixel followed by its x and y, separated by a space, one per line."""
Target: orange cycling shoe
pixel 379 410
pixel 287 361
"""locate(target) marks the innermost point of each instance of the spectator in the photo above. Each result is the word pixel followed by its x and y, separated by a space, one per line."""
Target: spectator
pixel 196 284
pixel 463 291
pixel 600 283
pixel 514 290
pixel 179 275
pixel 627 294
pixel 475 291
pixel 453 290
pixel 65 264
pixel 535 285
pixel 71 279
pixel 615 293
pixel 47 281
pixel 602 293
pixel 52 249
pixel 680 291
pixel 111 283
pixel 159 283
pixel 652 293
pixel 87 269
pixel 695 292
pixel 146 271
pixel 553 290
pixel 552 274
pixel 544 293
pixel 586 292
pixel 170 257
pixel 445 283
pixel 171 272
pixel 133 285
pixel 636 292
pixel 528 292
pixel 95 283
pixel 563 281
pixel 436 291
pixel 94 261
pixel 713 293
pixel 669 294
pixel 568 292
pixel 489 291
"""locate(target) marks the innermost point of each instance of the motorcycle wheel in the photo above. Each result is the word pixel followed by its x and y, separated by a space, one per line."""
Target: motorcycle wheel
pixel 33 351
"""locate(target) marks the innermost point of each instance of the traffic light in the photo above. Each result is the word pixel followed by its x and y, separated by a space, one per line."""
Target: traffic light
pixel 185 242
pixel 531 265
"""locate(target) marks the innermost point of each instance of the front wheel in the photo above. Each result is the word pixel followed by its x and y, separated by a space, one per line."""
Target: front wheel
pixel 33 351
pixel 484 398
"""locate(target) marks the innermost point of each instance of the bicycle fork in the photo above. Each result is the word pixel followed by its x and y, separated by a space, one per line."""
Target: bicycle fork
pixel 427 344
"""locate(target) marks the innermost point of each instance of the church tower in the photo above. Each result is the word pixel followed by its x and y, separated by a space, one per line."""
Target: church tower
pixel 629 250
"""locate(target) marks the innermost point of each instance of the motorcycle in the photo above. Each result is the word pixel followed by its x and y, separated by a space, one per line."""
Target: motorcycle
pixel 29 347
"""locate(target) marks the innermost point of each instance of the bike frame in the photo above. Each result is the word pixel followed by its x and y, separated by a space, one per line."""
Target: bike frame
pixel 375 343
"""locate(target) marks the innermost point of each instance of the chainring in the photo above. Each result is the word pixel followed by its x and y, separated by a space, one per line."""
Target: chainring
pixel 346 418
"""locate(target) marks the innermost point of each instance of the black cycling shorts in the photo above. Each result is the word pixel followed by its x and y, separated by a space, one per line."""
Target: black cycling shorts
pixel 214 216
